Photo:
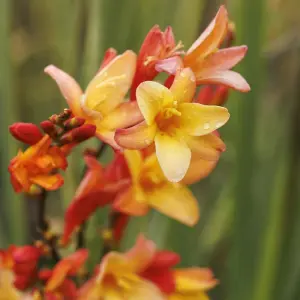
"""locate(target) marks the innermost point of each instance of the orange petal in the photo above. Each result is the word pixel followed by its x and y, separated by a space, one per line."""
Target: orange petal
pixel 60 272
pixel 173 155
pixel 228 78
pixel 125 115
pixel 184 86
pixel 132 202
pixel 109 87
pixel 175 201
pixel 199 169
pixel 194 279
pixel 48 182
pixel 137 137
pixel 38 149
pixel 208 147
pixel 221 60
pixel 141 255
pixel 210 39
pixel 169 65
pixel 151 97
pixel 197 119
pixel 68 87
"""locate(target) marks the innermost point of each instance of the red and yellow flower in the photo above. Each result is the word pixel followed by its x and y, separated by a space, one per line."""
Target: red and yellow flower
pixel 102 103
pixel 151 189
pixel 210 64
pixel 172 122
pixel 38 165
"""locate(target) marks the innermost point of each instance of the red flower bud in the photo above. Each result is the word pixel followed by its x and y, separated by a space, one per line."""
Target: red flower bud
pixel 27 133
pixel 26 254
pixel 79 134
pixel 74 123
pixel 48 127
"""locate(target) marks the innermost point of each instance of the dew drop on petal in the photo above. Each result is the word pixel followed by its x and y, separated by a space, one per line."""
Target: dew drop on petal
pixel 206 126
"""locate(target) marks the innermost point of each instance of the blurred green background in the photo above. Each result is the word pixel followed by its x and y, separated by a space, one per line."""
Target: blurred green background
pixel 249 232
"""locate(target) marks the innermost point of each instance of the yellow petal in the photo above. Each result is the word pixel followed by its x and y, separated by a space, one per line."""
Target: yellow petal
pixel 194 279
pixel 48 182
pixel 175 201
pixel 139 136
pixel 173 155
pixel 152 97
pixel 144 290
pixel 210 39
pixel 208 147
pixel 197 119
pixel 109 87
pixel 68 87
pixel 184 86
pixel 132 202
pixel 134 161
pixel 125 115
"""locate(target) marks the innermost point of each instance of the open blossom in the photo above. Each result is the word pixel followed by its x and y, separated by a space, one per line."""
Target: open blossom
pixel 118 276
pixel 102 103
pixel 37 166
pixel 158 45
pixel 172 122
pixel 151 189
pixel 210 64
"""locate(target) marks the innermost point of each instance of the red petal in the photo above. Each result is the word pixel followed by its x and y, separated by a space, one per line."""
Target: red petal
pixel 165 259
pixel 109 55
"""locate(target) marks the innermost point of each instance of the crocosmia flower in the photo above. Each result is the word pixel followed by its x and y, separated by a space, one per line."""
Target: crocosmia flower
pixel 210 64
pixel 102 103
pixel 171 122
pixel 151 189
pixel 37 165
pixel 119 277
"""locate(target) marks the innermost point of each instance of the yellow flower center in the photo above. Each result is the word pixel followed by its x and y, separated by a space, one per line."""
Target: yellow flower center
pixel 168 120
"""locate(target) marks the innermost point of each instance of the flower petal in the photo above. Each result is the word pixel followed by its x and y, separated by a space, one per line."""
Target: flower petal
pixel 125 115
pixel 173 155
pixel 175 201
pixel 221 60
pixel 109 55
pixel 137 137
pixel 107 136
pixel 48 182
pixel 134 162
pixel 197 119
pixel 194 279
pixel 210 39
pixel 109 87
pixel 208 147
pixel 228 78
pixel 169 65
pixel 184 86
pixel 68 87
pixel 144 290
pixel 151 97
pixel 131 201
pixel 141 254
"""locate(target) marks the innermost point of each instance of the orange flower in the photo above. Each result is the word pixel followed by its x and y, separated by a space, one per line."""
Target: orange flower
pixel 103 104
pixel 36 166
pixel 150 188
pixel 158 45
pixel 211 65
pixel 172 123
pixel 118 276
pixel 58 285
pixel 98 188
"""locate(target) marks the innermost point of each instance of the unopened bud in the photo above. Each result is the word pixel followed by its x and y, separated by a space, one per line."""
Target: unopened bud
pixel 35 190
pixel 220 96
pixel 27 133
pixel 79 134
pixel 74 123
pixel 62 117
pixel 48 127
pixel 26 254
pixel 205 95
